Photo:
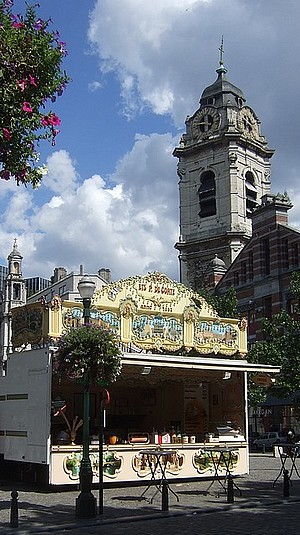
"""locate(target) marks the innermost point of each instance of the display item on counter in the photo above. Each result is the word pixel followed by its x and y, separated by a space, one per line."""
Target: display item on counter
pixel 165 438
pixel 154 437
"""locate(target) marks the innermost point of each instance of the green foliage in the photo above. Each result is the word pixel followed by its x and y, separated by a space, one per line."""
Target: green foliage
pixel 30 75
pixel 281 348
pixel 88 348
pixel 225 305
pixel 256 394
pixel 295 285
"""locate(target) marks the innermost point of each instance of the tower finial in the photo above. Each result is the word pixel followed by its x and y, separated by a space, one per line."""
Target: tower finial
pixel 221 49
pixel 221 70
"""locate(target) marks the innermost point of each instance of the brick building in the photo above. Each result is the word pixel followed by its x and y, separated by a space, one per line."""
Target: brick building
pixel 262 271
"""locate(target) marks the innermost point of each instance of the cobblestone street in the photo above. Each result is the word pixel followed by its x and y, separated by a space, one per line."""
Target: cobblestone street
pixel 260 509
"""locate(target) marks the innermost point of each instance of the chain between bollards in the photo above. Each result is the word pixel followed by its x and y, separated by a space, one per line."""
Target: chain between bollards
pixel 14 515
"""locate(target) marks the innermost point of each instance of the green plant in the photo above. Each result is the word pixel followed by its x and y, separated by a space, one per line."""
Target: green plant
pixel 30 76
pixel 88 349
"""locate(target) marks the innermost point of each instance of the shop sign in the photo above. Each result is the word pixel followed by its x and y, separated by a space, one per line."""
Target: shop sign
pixel 263 411
pixel 263 379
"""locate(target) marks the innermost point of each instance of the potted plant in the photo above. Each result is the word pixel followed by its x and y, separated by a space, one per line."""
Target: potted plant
pixel 88 350
pixel 30 76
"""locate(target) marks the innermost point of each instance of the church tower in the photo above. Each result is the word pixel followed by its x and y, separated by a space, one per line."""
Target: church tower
pixel 14 295
pixel 224 170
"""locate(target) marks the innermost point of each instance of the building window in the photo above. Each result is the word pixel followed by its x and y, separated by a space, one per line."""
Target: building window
pixel 207 194
pixel 265 256
pixel 62 289
pixel 208 101
pixel 250 265
pixel 292 307
pixel 243 272
pixel 16 292
pixel 285 254
pixel 251 193
pixel 251 322
pixel 236 278
pixel 295 255
pixel 267 306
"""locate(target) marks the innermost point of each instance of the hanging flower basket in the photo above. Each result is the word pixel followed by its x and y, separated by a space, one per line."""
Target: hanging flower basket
pixel 30 76
pixel 88 349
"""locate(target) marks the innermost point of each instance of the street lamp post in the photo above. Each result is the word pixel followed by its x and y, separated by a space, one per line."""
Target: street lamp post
pixel 86 504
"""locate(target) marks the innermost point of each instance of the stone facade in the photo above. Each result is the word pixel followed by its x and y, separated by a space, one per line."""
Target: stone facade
pixel 224 170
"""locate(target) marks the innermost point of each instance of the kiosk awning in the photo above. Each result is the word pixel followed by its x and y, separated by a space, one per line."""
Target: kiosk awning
pixel 199 363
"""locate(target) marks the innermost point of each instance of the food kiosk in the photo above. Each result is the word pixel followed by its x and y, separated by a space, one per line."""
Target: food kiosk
pixel 183 387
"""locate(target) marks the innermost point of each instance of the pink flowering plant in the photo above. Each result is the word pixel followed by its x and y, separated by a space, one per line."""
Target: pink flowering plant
pixel 30 78
pixel 89 349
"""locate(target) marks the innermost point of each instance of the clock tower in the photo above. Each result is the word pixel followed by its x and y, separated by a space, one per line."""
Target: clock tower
pixel 224 170
pixel 14 295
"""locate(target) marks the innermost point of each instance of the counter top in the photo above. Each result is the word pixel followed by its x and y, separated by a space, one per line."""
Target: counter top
pixel 140 447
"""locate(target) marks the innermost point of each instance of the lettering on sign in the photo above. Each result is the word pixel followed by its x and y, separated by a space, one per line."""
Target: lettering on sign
pixel 262 379
pixel 263 411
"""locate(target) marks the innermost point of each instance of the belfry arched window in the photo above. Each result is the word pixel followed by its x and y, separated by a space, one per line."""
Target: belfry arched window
pixel 207 194
pixel 16 292
pixel 251 193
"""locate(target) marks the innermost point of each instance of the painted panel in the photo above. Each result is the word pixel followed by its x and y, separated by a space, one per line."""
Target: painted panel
pixel 125 463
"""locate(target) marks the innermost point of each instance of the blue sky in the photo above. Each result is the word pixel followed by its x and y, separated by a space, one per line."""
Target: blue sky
pixel 138 69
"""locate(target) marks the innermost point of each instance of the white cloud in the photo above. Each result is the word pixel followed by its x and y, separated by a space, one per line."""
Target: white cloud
pixel 129 226
pixel 18 207
pixel 61 176
pixel 94 86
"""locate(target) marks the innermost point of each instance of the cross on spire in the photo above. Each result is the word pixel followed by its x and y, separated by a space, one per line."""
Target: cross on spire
pixel 221 49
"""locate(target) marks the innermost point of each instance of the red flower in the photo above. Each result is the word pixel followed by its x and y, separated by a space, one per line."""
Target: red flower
pixel 6 134
pixel 27 107
pixel 50 119
pixel 45 120
pixel 32 80
pixel 54 120
pixel 18 24
pixel 22 84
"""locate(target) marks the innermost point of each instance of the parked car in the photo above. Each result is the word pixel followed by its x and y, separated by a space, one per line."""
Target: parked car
pixel 267 440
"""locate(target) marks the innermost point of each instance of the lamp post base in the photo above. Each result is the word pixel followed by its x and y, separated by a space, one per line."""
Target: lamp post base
pixel 86 505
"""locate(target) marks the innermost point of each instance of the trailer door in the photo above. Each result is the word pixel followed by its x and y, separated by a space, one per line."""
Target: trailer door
pixel 26 406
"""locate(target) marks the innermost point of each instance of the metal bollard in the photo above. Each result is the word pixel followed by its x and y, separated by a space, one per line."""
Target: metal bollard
pixel 286 484
pixel 164 496
pixel 14 517
pixel 230 493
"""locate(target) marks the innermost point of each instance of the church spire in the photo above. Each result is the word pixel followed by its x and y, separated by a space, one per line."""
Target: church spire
pixel 221 70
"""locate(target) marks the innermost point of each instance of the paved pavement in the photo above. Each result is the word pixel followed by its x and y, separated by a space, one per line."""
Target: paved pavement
pixel 261 509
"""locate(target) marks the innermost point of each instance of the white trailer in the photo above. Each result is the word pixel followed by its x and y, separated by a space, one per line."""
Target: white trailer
pixel 25 411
